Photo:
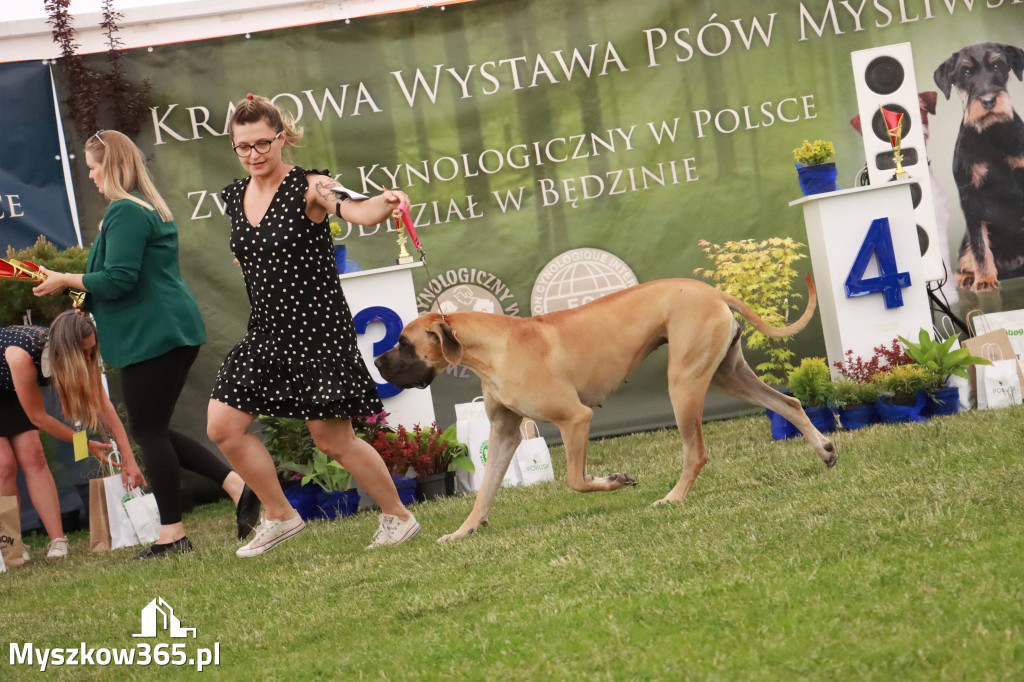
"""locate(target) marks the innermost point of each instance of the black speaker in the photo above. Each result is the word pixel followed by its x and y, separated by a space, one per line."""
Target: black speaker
pixel 884 76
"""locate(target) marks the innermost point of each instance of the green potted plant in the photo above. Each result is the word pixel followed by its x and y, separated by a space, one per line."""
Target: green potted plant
pixel 440 456
pixel 941 361
pixel 810 383
pixel 335 496
pixel 814 167
pixel 903 393
pixel 760 273
pixel 854 402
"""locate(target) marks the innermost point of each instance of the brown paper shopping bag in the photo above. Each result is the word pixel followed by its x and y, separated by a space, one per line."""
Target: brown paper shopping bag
pixel 99 522
pixel 10 531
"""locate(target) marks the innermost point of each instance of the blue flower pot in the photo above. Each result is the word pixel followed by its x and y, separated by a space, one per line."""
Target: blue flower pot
pixel 944 402
pixel 895 414
pixel 406 489
pixel 817 178
pixel 858 417
pixel 822 417
pixel 337 503
pixel 781 427
pixel 341 258
pixel 304 499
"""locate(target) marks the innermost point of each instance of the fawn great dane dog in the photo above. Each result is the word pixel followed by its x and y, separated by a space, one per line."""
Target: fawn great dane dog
pixel 556 367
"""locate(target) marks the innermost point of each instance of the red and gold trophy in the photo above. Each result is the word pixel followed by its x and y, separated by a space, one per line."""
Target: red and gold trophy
pixel 27 271
pixel 403 223
pixel 894 127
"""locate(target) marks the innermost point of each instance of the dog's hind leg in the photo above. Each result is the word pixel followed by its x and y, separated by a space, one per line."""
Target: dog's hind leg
pixel 735 377
pixel 503 441
pixel 688 405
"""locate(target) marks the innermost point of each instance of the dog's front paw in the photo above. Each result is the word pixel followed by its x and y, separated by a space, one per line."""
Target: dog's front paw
pixel 457 535
pixel 622 480
pixel 985 284
pixel 965 280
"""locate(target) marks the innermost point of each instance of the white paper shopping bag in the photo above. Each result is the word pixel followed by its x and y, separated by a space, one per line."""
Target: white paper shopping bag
pixel 532 456
pixel 474 429
pixel 144 515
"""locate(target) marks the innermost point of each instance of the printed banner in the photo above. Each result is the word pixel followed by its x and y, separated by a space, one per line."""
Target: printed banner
pixel 554 151
pixel 33 195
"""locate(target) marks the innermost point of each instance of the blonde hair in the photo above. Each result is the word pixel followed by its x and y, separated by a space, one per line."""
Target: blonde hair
pixel 124 171
pixel 76 375
pixel 256 108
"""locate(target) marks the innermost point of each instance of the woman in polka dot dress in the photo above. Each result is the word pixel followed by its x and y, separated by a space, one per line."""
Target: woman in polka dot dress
pixel 299 357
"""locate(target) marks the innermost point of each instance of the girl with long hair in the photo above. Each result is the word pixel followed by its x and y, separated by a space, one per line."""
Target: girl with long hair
pixel 299 356
pixel 65 354
pixel 150 328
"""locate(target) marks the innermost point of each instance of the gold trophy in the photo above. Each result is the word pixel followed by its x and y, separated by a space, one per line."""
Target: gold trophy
pixel 894 127
pixel 403 254
pixel 26 271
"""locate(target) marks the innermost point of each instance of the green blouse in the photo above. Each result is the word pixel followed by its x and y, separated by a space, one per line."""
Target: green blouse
pixel 142 305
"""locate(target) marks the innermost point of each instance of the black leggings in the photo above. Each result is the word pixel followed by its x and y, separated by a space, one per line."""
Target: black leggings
pixel 150 389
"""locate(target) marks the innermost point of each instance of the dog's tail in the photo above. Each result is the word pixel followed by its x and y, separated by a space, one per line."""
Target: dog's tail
pixel 775 332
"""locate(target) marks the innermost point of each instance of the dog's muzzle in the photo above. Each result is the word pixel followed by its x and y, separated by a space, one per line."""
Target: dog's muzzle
pixel 404 373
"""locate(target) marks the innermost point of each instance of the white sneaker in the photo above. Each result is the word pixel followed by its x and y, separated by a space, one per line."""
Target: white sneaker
pixel 393 531
pixel 58 549
pixel 269 534
pixel 24 554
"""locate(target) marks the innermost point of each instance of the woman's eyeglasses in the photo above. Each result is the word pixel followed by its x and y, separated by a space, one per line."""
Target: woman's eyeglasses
pixel 97 136
pixel 261 147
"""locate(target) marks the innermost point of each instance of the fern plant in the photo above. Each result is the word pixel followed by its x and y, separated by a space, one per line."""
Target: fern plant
pixel 761 274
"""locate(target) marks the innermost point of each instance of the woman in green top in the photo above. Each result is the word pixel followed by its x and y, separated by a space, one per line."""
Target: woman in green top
pixel 149 327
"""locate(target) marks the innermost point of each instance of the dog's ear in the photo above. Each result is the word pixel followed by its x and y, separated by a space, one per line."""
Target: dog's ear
pixel 944 74
pixel 451 349
pixel 1016 57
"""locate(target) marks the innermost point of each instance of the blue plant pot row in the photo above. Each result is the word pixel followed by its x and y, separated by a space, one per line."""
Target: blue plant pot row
pixel 313 502
pixel 943 403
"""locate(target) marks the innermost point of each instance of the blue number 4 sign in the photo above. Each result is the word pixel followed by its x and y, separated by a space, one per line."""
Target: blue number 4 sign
pixel 889 282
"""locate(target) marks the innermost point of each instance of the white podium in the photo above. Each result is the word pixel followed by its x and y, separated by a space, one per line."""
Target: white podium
pixel 383 301
pixel 867 267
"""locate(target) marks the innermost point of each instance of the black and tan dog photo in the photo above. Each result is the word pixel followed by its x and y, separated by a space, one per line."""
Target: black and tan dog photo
pixel 988 163
pixel 557 367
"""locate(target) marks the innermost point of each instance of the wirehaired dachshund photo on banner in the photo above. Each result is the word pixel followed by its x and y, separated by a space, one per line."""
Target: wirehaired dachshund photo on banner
pixel 988 163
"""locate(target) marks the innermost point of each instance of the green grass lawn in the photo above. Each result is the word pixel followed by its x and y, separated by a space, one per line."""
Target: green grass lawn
pixel 904 562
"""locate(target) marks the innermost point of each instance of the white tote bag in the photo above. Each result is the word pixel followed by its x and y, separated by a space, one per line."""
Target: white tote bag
pixel 473 428
pixel 144 515
pixel 998 383
pixel 122 533
pixel 532 456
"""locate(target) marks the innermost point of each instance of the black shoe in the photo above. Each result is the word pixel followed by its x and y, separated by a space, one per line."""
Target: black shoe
pixel 247 513
pixel 155 551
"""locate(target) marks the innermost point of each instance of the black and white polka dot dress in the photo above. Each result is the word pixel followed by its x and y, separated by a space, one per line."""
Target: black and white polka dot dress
pixel 32 340
pixel 299 357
